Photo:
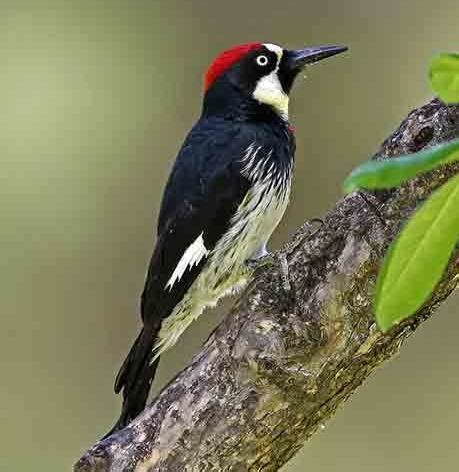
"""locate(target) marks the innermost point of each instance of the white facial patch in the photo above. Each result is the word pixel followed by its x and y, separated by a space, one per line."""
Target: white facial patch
pixel 269 89
pixel 191 257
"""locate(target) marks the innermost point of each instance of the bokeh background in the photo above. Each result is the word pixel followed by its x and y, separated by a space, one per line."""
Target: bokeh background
pixel 95 99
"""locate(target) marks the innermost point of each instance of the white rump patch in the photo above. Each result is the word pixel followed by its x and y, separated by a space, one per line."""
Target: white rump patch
pixel 191 257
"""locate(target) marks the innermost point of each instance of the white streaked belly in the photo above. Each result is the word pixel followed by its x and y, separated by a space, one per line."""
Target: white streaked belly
pixel 226 270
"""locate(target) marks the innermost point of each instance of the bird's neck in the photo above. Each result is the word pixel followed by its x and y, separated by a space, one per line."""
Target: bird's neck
pixel 228 102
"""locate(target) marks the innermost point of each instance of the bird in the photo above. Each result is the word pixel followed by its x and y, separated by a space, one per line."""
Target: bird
pixel 226 193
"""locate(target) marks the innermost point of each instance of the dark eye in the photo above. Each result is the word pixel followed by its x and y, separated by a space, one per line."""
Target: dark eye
pixel 262 60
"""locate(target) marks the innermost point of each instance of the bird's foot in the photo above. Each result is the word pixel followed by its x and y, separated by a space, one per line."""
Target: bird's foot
pixel 266 259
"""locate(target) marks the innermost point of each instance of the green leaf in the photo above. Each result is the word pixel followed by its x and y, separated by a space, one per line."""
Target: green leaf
pixel 418 257
pixel 444 77
pixel 393 172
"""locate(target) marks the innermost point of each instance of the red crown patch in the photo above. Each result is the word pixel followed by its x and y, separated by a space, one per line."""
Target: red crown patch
pixel 225 60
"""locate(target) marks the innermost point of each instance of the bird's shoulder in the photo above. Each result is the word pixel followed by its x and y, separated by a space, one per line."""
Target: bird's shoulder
pixel 210 158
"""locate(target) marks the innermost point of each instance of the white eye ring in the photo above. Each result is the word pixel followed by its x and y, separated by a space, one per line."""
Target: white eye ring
pixel 262 60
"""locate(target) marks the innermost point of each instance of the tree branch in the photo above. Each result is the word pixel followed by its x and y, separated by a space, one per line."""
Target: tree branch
pixel 281 363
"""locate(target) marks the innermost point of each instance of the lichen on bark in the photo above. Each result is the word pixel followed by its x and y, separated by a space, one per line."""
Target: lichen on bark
pixel 281 363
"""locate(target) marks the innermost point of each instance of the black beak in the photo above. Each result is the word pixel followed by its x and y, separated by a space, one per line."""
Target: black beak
pixel 296 60
pixel 293 61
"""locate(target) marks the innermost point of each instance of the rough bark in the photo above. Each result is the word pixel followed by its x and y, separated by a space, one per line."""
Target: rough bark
pixel 281 363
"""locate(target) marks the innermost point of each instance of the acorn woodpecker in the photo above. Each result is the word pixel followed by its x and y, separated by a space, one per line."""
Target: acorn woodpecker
pixel 226 193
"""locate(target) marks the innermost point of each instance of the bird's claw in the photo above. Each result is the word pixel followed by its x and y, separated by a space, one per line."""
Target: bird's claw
pixel 266 260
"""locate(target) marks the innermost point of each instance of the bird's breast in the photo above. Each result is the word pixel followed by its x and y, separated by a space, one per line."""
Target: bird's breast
pixel 260 211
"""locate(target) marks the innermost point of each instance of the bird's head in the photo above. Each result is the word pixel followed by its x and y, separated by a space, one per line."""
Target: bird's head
pixel 259 72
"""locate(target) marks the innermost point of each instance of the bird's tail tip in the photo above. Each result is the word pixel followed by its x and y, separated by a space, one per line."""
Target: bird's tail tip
pixel 134 379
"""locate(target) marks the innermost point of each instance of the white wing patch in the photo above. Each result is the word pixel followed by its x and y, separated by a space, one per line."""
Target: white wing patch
pixel 251 226
pixel 191 257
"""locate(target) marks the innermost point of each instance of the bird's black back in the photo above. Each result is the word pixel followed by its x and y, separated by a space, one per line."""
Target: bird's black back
pixel 204 190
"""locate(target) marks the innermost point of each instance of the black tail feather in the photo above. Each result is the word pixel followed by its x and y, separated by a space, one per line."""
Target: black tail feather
pixel 135 377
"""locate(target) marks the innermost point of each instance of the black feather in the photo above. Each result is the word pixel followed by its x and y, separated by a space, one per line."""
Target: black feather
pixel 205 188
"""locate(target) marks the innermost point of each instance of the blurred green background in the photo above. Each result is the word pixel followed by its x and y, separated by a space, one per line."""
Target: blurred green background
pixel 96 98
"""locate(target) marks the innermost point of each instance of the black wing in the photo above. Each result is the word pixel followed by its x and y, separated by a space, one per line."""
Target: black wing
pixel 204 190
